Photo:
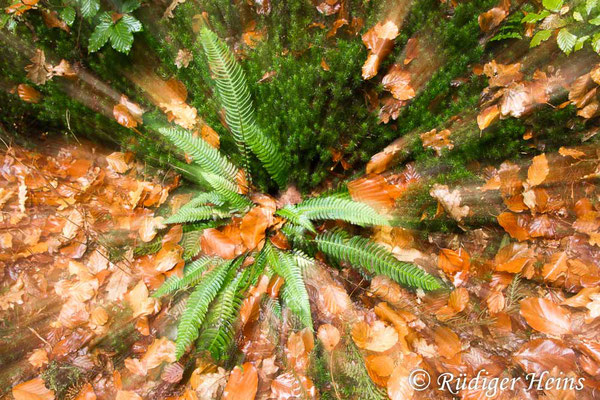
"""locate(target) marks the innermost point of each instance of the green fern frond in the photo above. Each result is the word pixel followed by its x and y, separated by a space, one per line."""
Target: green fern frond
pixel 375 259
pixel 296 235
pixel 218 328
pixel 333 207
pixel 201 213
pixel 293 215
pixel 205 198
pixel 191 275
pixel 227 190
pixel 191 244
pixel 294 292
pixel 197 306
pixel 239 112
pixel 203 154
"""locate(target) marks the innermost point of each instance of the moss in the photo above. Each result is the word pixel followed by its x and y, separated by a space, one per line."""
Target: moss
pixel 59 377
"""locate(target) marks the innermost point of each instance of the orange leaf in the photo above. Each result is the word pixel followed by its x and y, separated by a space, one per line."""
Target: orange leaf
pixel 379 40
pixel 215 242
pixel 556 267
pixel 459 298
pixel 545 316
pixel 411 50
pixel 378 338
pixel 513 258
pixel 452 262
pixel 492 18
pixel 495 301
pixel 437 140
pixel 399 387
pixel 538 171
pixel 123 117
pixel 397 81
pixel 488 116
pixel 335 299
pixel 375 191
pixel 32 390
pixel 380 368
pixel 513 224
pixel 254 225
pixel 242 383
pixel 28 94
pixel 329 335
pixel 447 342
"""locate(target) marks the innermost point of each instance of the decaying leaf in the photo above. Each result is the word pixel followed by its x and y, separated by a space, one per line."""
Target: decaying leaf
pixel 545 316
pixel 379 40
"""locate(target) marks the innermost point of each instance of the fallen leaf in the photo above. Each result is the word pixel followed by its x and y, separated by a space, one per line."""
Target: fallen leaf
pixel 458 300
pixel 34 389
pixel 379 367
pixel 437 140
pixel 215 242
pixel 450 201
pixel 397 81
pixel 117 161
pixel 329 335
pixel 183 58
pixel 242 383
pixel 378 337
pixel 140 302
pixel 545 316
pixel 399 386
pixel 539 355
pixel 28 94
pixel 335 299
pixel 488 116
pixel 492 18
pixel 379 40
pixel 538 171
pixel 447 342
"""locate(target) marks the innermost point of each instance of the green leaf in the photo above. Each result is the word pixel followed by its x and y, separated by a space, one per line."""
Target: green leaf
pixel 596 42
pixel 4 18
pixel 100 36
pixel 553 5
pixel 121 37
pixel 68 15
pixel 130 5
pixel 197 306
pixel 89 8
pixel 566 41
pixel 533 17
pixel 595 21
pixel 132 23
pixel 580 42
pixel 234 96
pixel 374 258
pixel 192 274
pixel 577 16
pixel 590 5
pixel 539 37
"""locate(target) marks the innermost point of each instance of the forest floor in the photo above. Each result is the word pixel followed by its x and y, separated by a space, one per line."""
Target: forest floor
pixel 84 245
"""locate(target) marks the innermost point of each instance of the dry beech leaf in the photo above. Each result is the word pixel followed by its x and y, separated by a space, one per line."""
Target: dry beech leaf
pixel 545 316
pixel 437 140
pixel 538 171
pixel 378 337
pixel 514 226
pixel 254 225
pixel 492 18
pixel 28 94
pixel 214 242
pixel 123 116
pixel 117 161
pixel 556 267
pixel 451 261
pixel 488 116
pixel 290 386
pixel 32 390
pixel 127 395
pixel 495 301
pixel 335 299
pixel 374 190
pixel 242 383
pixel 570 152
pixel 150 225
pixel 539 355
pixel 379 40
pixel 379 367
pixel 398 385
pixel 38 358
pixel 329 335
pixel 513 257
pixel 582 298
pixel 397 81
pixel 411 50
pixel 99 316
pixel 447 342
pixel 458 300
pixel 140 302
pixel 183 58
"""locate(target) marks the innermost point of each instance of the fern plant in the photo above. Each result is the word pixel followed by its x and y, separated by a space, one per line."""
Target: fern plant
pixel 218 286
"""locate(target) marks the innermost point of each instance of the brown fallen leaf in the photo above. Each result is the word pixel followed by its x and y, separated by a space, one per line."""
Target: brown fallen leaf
pixel 335 299
pixel 28 94
pixel 397 81
pixel 437 140
pixel 492 18
pixel 538 171
pixel 450 201
pixel 545 316
pixel 379 40
pixel 488 116
pixel 34 389
pixel 447 342
pixel 329 335
pixel 242 383
pixel 379 368
pixel 399 386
